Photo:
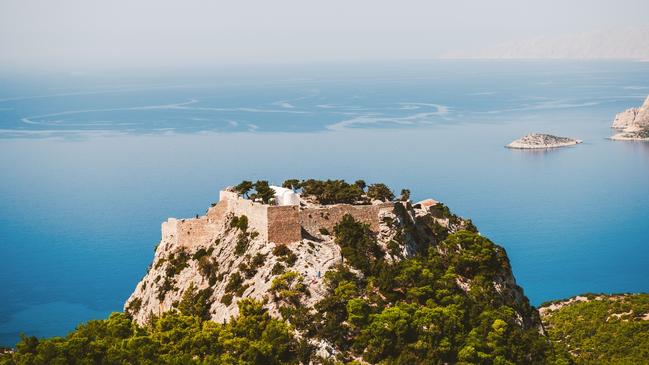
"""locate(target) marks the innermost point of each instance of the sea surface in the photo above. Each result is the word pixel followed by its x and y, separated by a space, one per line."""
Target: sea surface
pixel 91 163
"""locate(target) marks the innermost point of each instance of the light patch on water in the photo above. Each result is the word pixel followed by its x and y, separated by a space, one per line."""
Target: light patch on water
pixel 372 119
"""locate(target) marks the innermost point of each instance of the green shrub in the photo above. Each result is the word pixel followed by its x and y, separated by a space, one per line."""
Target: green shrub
pixel 289 288
pixel 285 254
pixel 234 282
pixel 244 188
pixel 200 253
pixel 250 265
pixel 134 306
pixel 226 299
pixel 195 303
pixel 240 223
pixel 357 244
pixel 242 244
pixel 278 268
pixel 176 263
pixel 380 192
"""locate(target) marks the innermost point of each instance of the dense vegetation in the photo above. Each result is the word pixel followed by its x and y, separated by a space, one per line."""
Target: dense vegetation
pixel 177 337
pixel 413 312
pixel 408 311
pixel 322 191
pixel 262 190
pixel 604 330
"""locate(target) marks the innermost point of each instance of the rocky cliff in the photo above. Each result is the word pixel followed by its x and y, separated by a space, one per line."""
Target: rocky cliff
pixel 633 123
pixel 393 252
pixel 230 260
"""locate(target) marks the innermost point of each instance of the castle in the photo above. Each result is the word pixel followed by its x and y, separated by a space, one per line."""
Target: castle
pixel 286 221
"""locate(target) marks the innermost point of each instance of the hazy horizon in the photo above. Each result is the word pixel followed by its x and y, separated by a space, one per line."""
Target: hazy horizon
pixel 75 35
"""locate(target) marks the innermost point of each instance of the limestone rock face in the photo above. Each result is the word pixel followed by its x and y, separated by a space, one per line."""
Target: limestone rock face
pixel 540 140
pixel 633 123
pixel 226 257
pixel 625 119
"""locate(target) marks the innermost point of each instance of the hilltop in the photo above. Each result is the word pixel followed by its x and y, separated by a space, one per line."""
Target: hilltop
pixel 328 272
pixel 295 252
pixel 600 328
pixel 321 272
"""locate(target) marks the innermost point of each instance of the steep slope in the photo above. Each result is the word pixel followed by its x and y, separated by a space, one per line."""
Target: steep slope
pixel 601 329
pixel 633 123
pixel 392 256
pixel 346 275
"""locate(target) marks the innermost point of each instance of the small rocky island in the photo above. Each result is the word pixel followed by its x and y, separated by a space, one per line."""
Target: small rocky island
pixel 632 124
pixel 541 141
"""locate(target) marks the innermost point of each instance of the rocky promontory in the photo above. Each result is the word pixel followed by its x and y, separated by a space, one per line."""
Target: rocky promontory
pixel 338 261
pixel 633 124
pixel 542 141
pixel 328 272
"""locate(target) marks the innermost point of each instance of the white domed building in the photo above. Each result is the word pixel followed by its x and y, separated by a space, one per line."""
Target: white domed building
pixel 284 196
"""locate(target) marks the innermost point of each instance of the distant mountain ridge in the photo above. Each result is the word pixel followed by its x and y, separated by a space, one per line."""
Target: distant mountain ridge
pixel 629 43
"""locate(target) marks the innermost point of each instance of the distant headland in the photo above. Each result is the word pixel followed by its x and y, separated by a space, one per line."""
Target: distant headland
pixel 632 124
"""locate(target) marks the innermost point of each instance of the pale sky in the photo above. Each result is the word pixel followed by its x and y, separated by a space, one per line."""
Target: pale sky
pixel 87 34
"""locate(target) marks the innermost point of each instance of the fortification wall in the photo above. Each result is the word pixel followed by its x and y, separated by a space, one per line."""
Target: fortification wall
pixel 257 214
pixel 196 231
pixel 276 224
pixel 169 229
pixel 202 230
pixel 313 219
pixel 284 224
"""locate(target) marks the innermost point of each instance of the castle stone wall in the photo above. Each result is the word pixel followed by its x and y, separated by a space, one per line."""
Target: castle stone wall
pixel 284 224
pixel 257 214
pixel 276 224
pixel 313 219
pixel 196 232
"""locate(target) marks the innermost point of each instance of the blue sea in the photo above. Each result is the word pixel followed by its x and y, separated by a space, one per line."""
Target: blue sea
pixel 93 162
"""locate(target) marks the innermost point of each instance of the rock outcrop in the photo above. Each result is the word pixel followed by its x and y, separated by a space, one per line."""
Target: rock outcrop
pixel 541 141
pixel 226 255
pixel 633 123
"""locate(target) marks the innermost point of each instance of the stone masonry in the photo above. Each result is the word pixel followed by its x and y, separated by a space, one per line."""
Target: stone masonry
pixel 276 224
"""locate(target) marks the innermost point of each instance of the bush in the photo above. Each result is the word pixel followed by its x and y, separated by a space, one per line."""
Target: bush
pixel 263 191
pixel 242 244
pixel 278 268
pixel 244 188
pixel 285 254
pixel 332 191
pixel 240 223
pixel 195 303
pixel 380 192
pixel 357 244
pixel 250 265
pixel 176 262
pixel 291 184
pixel 133 306
pixel 200 253
pixel 288 287
pixel 234 282
pixel 226 299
